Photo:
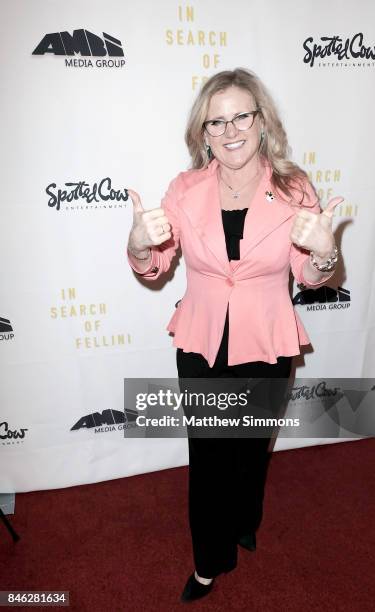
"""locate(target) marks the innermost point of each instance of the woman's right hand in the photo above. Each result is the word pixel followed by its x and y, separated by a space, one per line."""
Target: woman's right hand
pixel 150 227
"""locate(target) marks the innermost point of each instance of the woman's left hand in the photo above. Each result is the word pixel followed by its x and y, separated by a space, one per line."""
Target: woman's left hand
pixel 313 231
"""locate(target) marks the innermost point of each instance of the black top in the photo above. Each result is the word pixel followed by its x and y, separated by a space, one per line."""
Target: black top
pixel 233 223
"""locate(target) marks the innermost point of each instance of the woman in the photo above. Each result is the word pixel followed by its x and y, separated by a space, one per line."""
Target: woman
pixel 244 216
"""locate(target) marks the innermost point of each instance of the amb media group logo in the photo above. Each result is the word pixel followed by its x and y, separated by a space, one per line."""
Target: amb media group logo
pixel 85 44
pixel 106 421
pixel 322 298
pixel 6 329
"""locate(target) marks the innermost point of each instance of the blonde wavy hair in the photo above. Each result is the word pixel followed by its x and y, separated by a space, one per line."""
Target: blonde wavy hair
pixel 274 146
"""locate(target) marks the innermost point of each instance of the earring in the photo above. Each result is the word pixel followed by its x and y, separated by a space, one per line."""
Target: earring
pixel 209 151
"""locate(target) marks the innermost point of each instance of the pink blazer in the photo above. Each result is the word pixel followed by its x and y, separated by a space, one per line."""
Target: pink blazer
pixel 263 323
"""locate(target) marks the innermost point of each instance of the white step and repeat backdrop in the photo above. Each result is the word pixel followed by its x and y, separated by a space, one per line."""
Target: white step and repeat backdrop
pixel 95 97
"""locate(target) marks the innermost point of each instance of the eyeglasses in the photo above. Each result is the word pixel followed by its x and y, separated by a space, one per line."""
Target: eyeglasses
pixel 243 121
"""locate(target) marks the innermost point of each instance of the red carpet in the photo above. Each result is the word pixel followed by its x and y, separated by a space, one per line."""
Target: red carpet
pixel 124 545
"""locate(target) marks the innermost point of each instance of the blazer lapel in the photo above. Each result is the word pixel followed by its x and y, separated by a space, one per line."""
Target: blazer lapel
pixel 201 204
pixel 263 217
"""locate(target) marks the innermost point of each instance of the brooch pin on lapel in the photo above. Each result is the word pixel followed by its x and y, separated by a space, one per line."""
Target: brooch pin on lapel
pixel 269 196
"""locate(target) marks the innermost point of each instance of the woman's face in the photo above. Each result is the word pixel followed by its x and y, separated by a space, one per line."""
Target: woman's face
pixel 235 148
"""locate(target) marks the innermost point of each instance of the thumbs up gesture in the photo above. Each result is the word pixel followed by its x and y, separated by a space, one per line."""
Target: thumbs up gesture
pixel 314 232
pixel 150 227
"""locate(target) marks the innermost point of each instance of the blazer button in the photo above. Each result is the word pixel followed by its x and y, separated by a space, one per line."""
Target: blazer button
pixel 154 269
pixel 230 282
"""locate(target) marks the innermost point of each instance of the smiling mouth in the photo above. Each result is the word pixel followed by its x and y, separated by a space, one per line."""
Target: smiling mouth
pixel 234 145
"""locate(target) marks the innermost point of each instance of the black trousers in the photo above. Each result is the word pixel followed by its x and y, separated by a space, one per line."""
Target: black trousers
pixel 226 475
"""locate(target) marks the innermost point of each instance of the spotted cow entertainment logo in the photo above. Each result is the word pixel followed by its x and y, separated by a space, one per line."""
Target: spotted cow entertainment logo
pixel 335 408
pixel 6 329
pixel 80 195
pixel 323 298
pixel 84 44
pixel 11 436
pixel 106 421
pixel 336 51
pixel 317 391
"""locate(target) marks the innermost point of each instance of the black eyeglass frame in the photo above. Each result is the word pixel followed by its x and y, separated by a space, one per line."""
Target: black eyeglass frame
pixel 253 113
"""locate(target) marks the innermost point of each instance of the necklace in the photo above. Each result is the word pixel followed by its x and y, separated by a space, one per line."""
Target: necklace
pixel 236 192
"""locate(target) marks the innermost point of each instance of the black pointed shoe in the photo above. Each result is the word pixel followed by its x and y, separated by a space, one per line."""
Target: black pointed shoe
pixel 195 590
pixel 248 541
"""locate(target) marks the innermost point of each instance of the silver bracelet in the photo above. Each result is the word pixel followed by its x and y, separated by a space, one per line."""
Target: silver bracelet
pixel 326 265
pixel 140 258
